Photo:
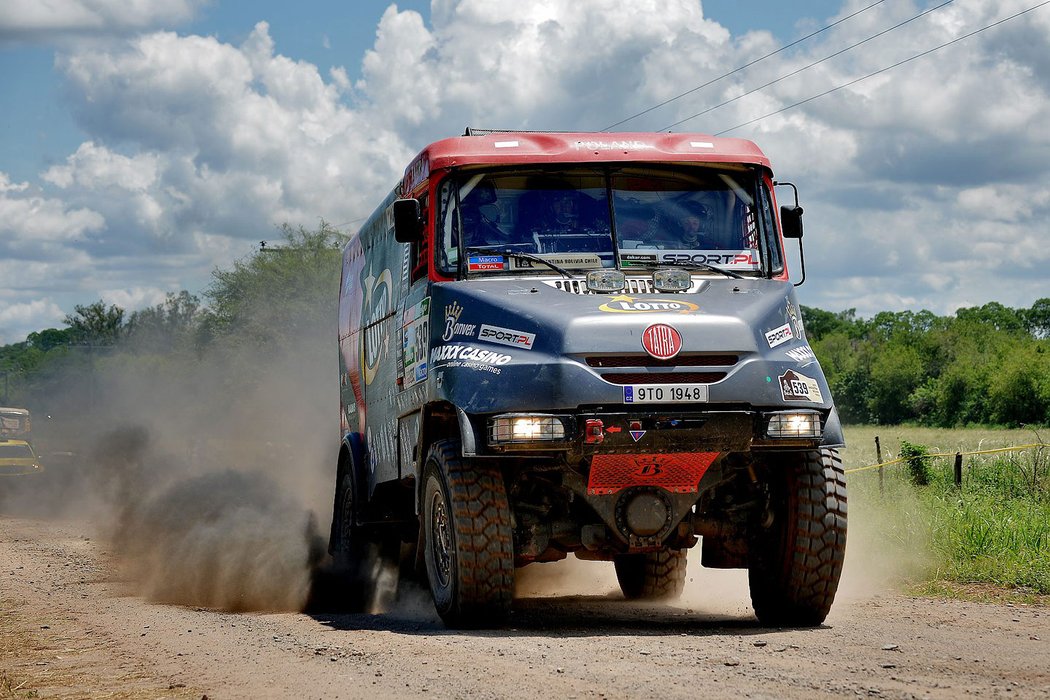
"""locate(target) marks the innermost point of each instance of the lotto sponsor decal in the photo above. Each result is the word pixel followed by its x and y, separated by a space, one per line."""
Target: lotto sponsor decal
pixel 661 341
pixel 624 304
pixel 779 336
pixel 506 336
pixel 799 387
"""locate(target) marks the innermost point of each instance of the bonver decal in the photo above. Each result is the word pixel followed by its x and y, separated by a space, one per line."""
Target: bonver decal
pixel 624 304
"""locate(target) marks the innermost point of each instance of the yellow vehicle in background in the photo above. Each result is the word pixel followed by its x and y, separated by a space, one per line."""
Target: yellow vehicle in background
pixel 14 423
pixel 17 458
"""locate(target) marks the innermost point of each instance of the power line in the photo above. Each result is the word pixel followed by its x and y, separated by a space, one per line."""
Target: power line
pixel 746 65
pixel 883 70
pixel 807 67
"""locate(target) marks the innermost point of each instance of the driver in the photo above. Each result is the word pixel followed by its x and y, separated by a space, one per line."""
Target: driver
pixel 481 224
pixel 695 225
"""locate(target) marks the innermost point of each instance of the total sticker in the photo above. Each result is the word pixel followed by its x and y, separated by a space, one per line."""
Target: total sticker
pixel 799 387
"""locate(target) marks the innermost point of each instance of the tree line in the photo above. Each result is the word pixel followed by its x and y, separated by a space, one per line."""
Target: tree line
pixel 255 348
pixel 272 315
pixel 983 365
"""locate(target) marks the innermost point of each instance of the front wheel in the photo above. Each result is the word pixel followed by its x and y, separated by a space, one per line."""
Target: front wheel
pixel 652 575
pixel 469 545
pixel 796 559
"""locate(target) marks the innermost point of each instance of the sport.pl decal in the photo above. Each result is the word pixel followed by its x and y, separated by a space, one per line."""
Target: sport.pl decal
pixel 779 336
pixel 506 336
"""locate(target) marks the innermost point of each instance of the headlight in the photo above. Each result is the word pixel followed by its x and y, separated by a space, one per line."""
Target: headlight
pixel 515 428
pixel 606 280
pixel 798 424
pixel 674 280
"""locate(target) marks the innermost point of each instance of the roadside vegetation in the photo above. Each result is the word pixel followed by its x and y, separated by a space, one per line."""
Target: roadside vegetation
pixel 993 529
pixel 985 365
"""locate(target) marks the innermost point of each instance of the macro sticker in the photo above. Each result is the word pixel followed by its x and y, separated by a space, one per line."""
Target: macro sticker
pixel 480 263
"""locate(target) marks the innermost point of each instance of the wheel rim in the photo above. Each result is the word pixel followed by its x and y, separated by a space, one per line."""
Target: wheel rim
pixel 441 542
pixel 346 514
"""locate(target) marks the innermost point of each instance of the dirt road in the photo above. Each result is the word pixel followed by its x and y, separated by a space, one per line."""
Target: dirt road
pixel 72 628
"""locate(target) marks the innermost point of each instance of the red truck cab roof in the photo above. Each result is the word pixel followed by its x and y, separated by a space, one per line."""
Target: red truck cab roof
pixel 535 147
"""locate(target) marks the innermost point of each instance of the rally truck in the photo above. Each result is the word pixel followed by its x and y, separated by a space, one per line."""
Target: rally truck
pixel 585 344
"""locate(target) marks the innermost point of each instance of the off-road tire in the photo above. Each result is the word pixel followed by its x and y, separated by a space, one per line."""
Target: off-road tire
pixel 796 560
pixel 652 575
pixel 352 551
pixel 469 543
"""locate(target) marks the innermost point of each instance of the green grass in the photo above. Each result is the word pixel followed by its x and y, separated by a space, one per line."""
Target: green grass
pixel 994 529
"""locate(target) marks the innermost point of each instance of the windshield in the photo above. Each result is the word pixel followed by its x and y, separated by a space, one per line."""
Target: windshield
pixel 16 451
pixel 587 218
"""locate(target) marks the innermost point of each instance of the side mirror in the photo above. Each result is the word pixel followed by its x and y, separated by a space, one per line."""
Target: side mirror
pixel 791 220
pixel 408 221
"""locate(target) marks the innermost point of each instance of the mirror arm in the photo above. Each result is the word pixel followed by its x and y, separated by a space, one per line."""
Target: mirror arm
pixel 801 254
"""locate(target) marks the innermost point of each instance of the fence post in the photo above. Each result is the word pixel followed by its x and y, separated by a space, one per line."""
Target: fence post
pixel 958 469
pixel 878 460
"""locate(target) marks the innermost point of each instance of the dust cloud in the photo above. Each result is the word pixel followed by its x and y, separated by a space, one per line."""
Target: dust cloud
pixel 211 475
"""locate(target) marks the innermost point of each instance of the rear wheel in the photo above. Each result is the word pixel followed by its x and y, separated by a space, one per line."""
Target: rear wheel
pixel 797 558
pixel 652 575
pixel 364 559
pixel 351 550
pixel 468 547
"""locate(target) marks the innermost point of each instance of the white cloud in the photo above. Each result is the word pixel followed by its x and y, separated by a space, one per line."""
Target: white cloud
pixel 924 187
pixel 47 20
pixel 20 319
pixel 27 218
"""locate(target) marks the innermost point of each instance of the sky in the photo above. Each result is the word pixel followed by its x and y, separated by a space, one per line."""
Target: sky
pixel 145 144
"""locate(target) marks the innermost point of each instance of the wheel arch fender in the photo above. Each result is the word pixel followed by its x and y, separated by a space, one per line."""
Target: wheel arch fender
pixel 441 421
pixel 351 452
pixel 833 436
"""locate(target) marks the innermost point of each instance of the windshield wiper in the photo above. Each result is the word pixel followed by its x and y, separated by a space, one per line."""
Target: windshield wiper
pixel 703 266
pixel 510 253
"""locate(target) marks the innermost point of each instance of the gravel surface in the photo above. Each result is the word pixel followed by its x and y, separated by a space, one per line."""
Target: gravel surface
pixel 73 623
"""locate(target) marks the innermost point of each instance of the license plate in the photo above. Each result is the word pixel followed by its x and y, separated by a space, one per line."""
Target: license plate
pixel 665 393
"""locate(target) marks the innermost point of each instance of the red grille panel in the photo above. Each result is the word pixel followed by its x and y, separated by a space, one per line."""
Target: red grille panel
pixel 663 377
pixel 678 472
pixel 647 361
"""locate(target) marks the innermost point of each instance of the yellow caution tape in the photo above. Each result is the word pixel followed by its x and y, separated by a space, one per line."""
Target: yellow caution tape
pixel 947 454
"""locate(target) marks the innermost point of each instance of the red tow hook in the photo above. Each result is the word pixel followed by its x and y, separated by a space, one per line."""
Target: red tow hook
pixel 593 431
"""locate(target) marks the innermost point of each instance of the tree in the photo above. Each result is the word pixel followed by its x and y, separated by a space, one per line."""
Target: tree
pixel 1037 318
pixel 820 324
pixel 95 324
pixel 164 327
pixel 278 294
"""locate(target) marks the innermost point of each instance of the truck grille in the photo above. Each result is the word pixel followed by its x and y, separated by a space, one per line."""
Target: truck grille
pixel 635 285
pixel 641 360
pixel 663 377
